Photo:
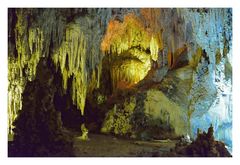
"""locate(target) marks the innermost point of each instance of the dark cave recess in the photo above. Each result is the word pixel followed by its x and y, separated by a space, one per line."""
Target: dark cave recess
pixel 148 75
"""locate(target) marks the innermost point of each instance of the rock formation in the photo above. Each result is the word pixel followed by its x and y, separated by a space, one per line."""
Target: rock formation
pixel 39 130
pixel 142 73
pixel 204 146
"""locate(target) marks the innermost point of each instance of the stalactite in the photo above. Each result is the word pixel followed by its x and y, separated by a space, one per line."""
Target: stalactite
pixel 121 37
pixel 77 57
pixel 73 49
pixel 132 37
pixel 29 46
pixel 154 48
pixel 209 76
pixel 134 45
pixel 76 45
pixel 127 74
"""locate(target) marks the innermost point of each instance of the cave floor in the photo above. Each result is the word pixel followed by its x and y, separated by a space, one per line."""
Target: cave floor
pixel 100 145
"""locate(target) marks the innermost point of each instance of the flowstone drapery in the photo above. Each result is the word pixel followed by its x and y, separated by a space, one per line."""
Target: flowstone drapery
pixel 185 53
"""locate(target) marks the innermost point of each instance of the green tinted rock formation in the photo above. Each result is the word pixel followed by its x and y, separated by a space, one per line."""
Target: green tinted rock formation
pixel 181 59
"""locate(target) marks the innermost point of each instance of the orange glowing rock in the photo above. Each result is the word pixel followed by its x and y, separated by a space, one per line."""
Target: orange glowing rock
pixel 173 58
pixel 132 32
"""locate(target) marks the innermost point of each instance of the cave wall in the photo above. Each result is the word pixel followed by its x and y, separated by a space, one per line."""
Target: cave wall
pixel 133 41
pixel 203 87
pixel 72 46
pixel 213 103
pixel 71 37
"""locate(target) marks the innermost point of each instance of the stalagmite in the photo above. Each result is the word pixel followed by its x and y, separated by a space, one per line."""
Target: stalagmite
pixel 136 43
pixel 72 46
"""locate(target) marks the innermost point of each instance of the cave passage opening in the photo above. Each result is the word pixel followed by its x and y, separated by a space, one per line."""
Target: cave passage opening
pixel 126 73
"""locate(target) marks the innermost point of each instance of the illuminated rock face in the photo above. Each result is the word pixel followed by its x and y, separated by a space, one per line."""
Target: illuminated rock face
pixel 186 52
pixel 73 47
pixel 215 106
pixel 127 73
pixel 158 106
pixel 131 47
pixel 79 56
pixel 203 88
pixel 148 114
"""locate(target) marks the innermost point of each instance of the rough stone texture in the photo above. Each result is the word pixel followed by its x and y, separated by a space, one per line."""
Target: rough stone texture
pixel 204 146
pixel 38 127
pixel 148 115
pixel 180 56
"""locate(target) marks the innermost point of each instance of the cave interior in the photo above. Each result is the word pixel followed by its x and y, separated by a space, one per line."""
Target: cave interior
pixel 119 82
